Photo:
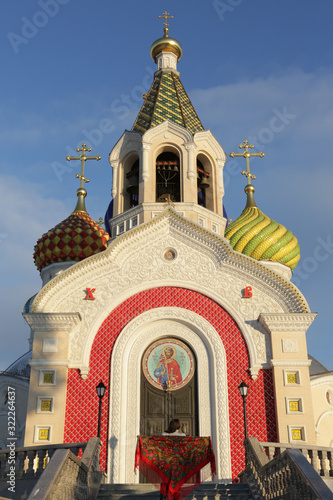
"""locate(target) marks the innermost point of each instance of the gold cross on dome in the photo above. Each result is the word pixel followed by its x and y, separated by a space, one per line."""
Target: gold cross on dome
pixel 166 16
pixel 83 157
pixel 247 155
pixel 81 192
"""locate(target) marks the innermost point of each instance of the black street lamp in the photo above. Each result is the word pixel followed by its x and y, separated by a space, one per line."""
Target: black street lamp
pixel 243 389
pixel 100 388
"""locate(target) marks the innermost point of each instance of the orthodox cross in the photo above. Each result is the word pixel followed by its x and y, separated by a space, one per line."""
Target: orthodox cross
pixel 247 155
pixel 166 16
pixel 83 157
pixel 81 192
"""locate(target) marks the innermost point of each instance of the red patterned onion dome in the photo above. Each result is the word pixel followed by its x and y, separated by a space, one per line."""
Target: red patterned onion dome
pixel 75 238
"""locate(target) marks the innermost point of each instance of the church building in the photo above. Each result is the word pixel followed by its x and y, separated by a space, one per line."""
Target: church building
pixel 168 305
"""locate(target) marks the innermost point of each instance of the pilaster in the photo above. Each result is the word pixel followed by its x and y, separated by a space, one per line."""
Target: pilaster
pixel 290 364
pixel 48 381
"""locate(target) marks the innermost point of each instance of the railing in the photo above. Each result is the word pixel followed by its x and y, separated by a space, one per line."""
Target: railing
pixel 285 472
pixel 32 460
pixel 320 458
pixel 68 477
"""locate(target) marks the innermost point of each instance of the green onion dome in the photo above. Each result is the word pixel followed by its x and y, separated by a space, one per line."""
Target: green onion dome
pixel 256 235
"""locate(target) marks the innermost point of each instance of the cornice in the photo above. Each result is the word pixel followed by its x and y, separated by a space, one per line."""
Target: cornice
pixel 168 126
pixel 48 362
pixel 290 363
pixel 52 321
pixel 297 322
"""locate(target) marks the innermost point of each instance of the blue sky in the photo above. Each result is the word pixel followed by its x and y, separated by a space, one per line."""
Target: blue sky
pixel 75 70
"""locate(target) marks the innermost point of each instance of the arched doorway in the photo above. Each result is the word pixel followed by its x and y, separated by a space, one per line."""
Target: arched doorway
pixel 125 386
pixel 168 387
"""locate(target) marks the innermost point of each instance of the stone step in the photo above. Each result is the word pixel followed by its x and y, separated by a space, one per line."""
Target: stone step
pixel 148 491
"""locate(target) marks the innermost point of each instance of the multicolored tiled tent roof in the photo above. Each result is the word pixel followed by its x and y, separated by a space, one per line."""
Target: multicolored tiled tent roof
pixel 167 100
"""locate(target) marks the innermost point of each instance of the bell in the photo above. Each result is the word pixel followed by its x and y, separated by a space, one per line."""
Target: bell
pixel 132 189
pixel 204 184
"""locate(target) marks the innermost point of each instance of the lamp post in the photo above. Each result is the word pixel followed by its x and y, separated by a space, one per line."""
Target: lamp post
pixel 100 388
pixel 243 389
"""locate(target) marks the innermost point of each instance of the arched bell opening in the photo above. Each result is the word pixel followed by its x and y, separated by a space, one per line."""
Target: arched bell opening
pixel 205 182
pixel 167 177
pixel 131 184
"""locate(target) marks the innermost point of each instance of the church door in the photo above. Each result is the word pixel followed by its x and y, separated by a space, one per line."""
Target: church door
pixel 168 388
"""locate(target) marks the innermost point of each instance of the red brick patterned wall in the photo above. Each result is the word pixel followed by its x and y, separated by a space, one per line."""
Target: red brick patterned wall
pixel 82 401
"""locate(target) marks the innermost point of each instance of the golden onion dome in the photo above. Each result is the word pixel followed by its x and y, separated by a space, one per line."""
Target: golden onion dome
pixel 166 44
pixel 256 235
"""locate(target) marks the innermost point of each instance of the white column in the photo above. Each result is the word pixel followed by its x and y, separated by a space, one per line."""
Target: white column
pixel 145 160
pixel 220 164
pixel 114 165
pixel 190 165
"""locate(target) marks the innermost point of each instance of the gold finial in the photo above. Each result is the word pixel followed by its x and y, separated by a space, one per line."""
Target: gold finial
pixel 166 16
pixel 101 221
pixel 81 192
pixel 249 188
pixel 168 201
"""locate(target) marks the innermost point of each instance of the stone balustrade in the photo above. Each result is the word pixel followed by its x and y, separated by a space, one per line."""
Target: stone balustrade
pixel 30 461
pixel 320 458
pixel 69 477
pixel 283 471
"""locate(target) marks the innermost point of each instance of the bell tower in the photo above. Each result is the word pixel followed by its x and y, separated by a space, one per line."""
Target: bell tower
pixel 168 158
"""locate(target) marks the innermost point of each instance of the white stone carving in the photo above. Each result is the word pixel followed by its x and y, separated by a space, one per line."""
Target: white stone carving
pixel 50 345
pixel 205 263
pixel 125 385
pixel 289 345
pixel 52 321
pixel 290 363
pixel 287 322
pixel 167 127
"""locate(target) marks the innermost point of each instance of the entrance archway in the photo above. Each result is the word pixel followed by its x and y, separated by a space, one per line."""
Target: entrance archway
pixel 125 386
pixel 168 387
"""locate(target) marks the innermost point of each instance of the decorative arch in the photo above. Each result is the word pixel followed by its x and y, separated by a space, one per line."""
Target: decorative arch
pixel 131 172
pixel 254 364
pixel 125 375
pixel 81 401
pixel 321 418
pixel 206 181
pixel 168 176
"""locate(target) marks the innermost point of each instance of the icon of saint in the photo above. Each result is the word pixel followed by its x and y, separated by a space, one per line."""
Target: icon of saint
pixel 168 371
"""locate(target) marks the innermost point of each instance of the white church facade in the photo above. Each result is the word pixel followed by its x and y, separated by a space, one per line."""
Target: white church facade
pixel 168 272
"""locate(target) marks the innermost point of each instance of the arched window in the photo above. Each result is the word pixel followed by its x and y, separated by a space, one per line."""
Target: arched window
pixel 133 185
pixel 167 177
pixel 203 179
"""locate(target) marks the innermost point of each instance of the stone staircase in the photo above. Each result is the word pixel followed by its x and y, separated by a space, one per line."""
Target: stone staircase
pixel 207 491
